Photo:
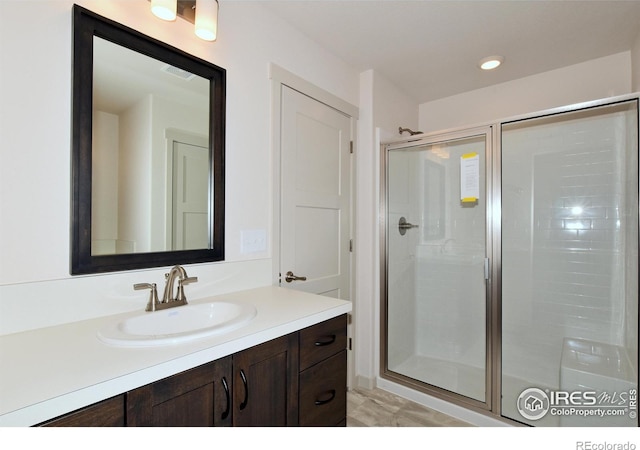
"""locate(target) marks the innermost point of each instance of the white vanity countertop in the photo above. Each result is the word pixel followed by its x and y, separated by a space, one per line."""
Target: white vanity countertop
pixel 48 372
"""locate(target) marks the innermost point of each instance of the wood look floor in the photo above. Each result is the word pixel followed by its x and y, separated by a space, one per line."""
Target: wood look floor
pixel 378 408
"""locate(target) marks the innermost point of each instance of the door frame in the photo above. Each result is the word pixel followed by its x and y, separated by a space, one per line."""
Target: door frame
pixel 281 77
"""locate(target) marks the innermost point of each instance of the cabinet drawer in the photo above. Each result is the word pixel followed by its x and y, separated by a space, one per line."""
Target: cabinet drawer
pixel 320 341
pixel 323 392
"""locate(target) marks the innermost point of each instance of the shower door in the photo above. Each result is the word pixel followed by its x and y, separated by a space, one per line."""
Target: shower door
pixel 436 271
pixel 570 267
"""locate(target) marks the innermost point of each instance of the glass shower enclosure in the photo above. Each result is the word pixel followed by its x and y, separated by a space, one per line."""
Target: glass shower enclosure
pixel 510 266
pixel 436 209
pixel 570 267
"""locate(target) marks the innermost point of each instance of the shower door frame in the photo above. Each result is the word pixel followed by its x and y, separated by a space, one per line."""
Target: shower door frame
pixel 489 134
pixel 492 407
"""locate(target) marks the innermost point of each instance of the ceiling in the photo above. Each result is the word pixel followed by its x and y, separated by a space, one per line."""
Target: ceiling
pixel 122 77
pixel 430 49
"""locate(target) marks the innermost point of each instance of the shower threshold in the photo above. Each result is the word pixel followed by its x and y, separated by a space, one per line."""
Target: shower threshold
pixel 449 375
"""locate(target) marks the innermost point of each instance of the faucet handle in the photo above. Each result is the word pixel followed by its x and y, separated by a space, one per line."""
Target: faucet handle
pixel 153 295
pixel 181 297
pixel 188 280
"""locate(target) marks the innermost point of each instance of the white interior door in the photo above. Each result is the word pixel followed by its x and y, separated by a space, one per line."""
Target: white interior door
pixel 315 196
pixel 190 188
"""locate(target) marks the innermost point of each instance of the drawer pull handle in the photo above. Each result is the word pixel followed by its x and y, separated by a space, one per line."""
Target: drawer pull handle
pixel 326 341
pixel 243 405
pixel 225 414
pixel 332 395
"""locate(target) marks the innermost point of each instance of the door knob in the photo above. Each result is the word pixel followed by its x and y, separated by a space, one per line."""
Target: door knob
pixel 291 277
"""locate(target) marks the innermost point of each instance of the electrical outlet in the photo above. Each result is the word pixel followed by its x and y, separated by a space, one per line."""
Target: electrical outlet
pixel 253 241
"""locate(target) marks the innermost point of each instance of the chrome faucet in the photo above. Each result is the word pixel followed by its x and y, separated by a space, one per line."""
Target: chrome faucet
pixel 168 298
pixel 170 278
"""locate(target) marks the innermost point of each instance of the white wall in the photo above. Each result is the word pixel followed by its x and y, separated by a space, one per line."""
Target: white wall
pixel 392 108
pixel 635 64
pixel 591 80
pixel 35 97
pixel 134 177
pixel 383 108
pixel 104 217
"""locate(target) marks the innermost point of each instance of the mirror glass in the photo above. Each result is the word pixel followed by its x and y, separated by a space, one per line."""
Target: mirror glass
pixel 148 151
pixel 150 154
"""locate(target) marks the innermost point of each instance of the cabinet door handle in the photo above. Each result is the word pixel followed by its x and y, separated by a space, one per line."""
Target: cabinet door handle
pixel 225 414
pixel 243 405
pixel 332 395
pixel 328 340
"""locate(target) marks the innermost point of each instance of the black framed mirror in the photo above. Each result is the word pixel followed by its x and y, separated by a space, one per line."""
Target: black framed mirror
pixel 148 138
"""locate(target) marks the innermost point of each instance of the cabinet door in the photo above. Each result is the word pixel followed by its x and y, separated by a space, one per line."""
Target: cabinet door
pixel 266 384
pixel 195 397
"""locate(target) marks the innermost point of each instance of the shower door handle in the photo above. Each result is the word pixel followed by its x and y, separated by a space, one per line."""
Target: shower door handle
pixel 403 226
pixel 291 277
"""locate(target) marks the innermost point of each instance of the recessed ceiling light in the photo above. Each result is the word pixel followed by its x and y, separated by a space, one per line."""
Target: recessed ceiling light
pixel 490 62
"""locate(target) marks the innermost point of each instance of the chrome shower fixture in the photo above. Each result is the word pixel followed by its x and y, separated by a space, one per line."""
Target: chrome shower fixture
pixel 411 132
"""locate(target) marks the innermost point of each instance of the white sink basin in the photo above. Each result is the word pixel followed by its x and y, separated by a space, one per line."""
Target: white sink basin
pixel 177 325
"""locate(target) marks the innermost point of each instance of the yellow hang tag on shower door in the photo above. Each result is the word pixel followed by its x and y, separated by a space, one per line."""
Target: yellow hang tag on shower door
pixel 469 177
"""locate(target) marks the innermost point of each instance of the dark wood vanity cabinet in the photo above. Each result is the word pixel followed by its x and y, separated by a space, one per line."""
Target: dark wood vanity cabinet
pixel 323 373
pixel 296 379
pixel 107 413
pixel 198 397
pixel 265 381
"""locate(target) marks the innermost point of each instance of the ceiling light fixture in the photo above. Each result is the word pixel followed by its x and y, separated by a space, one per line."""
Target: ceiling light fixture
pixel 164 9
pixel 202 13
pixel 207 19
pixel 490 62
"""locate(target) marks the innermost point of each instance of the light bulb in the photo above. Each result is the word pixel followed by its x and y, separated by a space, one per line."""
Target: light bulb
pixel 164 9
pixel 490 62
pixel 206 19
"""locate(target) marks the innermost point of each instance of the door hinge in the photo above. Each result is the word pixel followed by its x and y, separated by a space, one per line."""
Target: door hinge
pixel 351 245
pixel 487 269
pixel 350 344
pixel 350 146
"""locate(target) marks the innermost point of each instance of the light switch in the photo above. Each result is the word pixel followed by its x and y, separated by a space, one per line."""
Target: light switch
pixel 253 241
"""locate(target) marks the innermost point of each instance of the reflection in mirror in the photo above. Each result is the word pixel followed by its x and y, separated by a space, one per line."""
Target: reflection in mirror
pixel 148 151
pixel 150 154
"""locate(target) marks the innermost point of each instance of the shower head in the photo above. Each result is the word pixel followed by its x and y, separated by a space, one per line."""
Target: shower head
pixel 411 132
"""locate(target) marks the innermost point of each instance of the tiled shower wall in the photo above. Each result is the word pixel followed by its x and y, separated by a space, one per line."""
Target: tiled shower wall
pixel 450 285
pixel 402 202
pixel 631 236
pixel 436 286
